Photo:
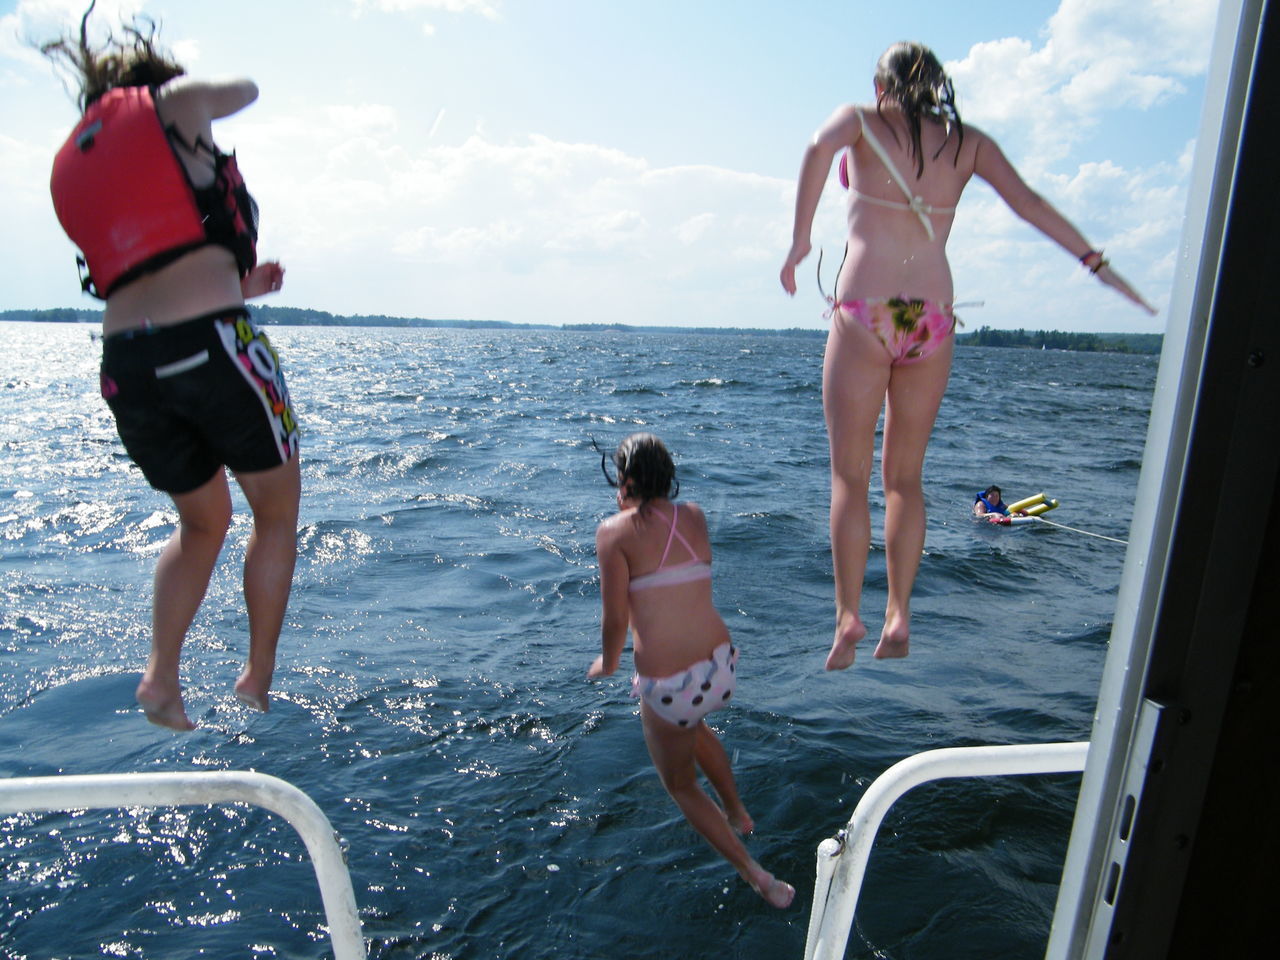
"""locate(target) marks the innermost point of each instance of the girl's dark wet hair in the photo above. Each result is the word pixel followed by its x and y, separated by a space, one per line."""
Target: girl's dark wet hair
pixel 133 61
pixel 644 465
pixel 990 490
pixel 912 77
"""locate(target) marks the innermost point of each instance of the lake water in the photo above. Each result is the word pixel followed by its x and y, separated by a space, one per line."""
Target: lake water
pixel 430 692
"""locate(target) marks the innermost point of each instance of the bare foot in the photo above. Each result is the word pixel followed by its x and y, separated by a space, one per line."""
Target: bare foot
pixel 741 821
pixel 162 707
pixel 775 892
pixel 849 630
pixel 894 638
pixel 248 693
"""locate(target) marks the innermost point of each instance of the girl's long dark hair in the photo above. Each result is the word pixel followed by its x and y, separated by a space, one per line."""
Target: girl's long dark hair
pixel 644 464
pixel 912 77
pixel 134 61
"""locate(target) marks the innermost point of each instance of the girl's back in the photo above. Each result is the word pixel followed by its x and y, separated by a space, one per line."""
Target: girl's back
pixel 890 251
pixel 673 621
pixel 206 279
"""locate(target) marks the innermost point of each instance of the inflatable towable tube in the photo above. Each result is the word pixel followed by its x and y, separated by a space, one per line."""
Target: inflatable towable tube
pixel 1033 506
pixel 1030 508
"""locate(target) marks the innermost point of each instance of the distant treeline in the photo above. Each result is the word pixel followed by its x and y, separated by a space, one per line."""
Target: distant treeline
pixel 1058 340
pixel 299 317
pixel 57 315
pixel 296 316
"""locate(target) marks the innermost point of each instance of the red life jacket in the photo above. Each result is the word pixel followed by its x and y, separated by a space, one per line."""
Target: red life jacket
pixel 124 198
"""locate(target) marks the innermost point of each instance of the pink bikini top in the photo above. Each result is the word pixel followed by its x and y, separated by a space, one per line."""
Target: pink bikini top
pixel 665 576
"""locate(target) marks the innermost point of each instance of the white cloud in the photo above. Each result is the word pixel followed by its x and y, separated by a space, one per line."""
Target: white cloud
pixel 466 229
pixel 1041 100
pixel 187 53
pixel 1097 56
pixel 344 121
pixel 41 20
pixel 691 230
pixel 21 164
pixel 408 204
pixel 485 9
pixel 35 22
pixel 1149 37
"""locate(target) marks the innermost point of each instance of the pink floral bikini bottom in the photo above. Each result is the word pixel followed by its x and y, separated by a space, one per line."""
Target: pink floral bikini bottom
pixel 910 330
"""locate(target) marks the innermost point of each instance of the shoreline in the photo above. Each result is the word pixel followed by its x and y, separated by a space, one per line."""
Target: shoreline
pixel 1132 343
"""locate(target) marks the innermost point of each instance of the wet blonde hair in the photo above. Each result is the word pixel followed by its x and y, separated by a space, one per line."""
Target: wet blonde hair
pixel 912 77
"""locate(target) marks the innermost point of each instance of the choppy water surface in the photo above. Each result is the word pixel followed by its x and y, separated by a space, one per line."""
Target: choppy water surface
pixel 430 693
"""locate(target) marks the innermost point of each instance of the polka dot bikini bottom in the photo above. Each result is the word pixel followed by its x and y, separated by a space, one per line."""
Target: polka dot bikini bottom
pixel 688 696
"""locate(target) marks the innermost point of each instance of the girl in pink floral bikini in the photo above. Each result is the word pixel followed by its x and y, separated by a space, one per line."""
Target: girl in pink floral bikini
pixel 891 332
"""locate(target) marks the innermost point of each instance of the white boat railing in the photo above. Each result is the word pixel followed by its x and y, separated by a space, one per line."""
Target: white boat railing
pixel 842 859
pixel 106 791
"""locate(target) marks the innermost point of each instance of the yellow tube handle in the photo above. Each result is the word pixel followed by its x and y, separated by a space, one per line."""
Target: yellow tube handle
pixel 1026 502
pixel 1042 507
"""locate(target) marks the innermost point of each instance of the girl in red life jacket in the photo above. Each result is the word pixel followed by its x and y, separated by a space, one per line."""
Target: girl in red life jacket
pixel 167 230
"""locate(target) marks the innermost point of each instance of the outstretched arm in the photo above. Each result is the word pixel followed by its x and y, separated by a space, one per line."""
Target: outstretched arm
pixel 615 580
pixel 841 130
pixel 214 99
pixel 992 166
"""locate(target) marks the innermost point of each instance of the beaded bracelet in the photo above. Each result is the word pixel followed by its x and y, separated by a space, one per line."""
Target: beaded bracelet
pixel 1094 260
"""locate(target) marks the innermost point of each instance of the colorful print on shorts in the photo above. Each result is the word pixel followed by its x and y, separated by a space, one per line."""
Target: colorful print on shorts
pixel 257 361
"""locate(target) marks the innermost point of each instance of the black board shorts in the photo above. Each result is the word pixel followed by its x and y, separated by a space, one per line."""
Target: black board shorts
pixel 196 396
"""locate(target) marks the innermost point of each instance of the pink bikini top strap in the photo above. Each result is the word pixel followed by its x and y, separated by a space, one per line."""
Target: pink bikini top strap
pixel 675 534
pixel 675 511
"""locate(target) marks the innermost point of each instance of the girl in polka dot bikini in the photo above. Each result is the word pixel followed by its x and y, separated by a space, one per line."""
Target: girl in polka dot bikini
pixel 685 663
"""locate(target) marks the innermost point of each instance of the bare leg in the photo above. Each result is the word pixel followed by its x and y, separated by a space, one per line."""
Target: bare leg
pixel 915 393
pixel 855 375
pixel 673 749
pixel 714 762
pixel 181 579
pixel 268 571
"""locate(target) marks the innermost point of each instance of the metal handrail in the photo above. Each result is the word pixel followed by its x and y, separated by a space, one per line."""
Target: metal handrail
pixel 842 860
pixel 105 791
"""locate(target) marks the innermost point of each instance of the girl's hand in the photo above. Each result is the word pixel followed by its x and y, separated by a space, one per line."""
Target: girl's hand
pixel 266 277
pixel 1119 284
pixel 799 250
pixel 598 669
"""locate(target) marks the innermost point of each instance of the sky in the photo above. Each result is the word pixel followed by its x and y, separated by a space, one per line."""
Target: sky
pixel 595 161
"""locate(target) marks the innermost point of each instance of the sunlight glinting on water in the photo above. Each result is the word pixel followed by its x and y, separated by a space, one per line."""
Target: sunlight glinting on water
pixel 430 692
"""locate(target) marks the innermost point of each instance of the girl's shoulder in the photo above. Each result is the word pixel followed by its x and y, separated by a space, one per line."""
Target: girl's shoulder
pixel 688 506
pixel 696 518
pixel 844 126
pixel 616 526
